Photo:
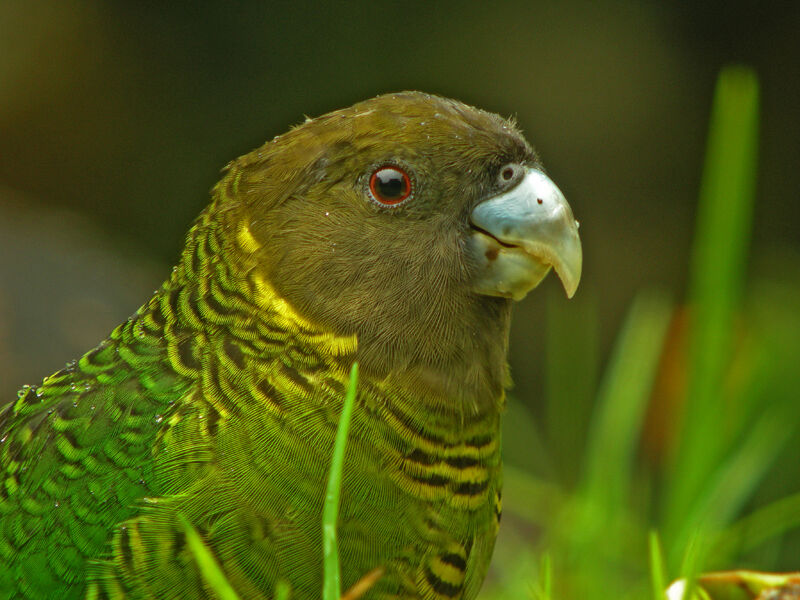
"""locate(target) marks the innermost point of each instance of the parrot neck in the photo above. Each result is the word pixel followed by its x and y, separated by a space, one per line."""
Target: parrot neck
pixel 460 364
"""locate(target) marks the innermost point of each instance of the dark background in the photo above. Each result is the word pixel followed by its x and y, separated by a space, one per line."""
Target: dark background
pixel 116 117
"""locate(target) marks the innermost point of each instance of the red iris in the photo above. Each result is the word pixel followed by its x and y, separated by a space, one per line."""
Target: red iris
pixel 390 185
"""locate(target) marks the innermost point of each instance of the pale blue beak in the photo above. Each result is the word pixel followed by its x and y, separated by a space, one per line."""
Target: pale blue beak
pixel 520 234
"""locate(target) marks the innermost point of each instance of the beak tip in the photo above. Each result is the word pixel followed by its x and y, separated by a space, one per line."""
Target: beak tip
pixel 570 287
pixel 569 268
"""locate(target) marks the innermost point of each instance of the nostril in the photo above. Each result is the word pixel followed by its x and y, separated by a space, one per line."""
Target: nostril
pixel 539 201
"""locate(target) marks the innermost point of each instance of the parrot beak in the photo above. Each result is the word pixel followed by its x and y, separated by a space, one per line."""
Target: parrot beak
pixel 520 234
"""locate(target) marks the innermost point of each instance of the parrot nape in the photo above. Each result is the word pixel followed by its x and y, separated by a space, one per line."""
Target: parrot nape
pixel 394 233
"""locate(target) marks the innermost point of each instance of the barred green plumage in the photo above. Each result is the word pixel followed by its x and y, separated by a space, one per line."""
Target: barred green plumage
pixel 218 400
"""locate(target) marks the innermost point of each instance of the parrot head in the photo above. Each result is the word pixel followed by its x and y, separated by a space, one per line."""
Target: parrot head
pixel 411 221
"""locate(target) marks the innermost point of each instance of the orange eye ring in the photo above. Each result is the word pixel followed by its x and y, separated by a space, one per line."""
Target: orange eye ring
pixel 389 185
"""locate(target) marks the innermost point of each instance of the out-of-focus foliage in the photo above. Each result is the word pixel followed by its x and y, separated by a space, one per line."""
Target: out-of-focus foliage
pixel 696 417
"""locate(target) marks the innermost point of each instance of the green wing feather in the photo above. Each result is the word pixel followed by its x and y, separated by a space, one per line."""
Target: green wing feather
pixel 75 460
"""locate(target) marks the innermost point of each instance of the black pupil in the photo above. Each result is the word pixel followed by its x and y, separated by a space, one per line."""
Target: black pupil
pixel 390 184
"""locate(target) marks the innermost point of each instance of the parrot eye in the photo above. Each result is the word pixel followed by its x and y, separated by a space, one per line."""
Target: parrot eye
pixel 509 173
pixel 389 185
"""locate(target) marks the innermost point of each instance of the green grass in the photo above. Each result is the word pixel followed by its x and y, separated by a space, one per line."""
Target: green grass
pixel 657 568
pixel 331 588
pixel 208 566
pixel 716 284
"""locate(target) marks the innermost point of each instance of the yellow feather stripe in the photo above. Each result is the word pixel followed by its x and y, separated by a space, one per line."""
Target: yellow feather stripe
pixel 245 239
pixel 287 317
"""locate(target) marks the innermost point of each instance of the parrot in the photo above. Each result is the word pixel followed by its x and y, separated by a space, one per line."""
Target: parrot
pixel 395 234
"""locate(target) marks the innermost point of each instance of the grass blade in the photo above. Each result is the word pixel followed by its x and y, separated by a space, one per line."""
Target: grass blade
pixel 767 522
pixel 624 393
pixel 717 276
pixel 733 481
pixel 332 574
pixel 657 567
pixel 209 568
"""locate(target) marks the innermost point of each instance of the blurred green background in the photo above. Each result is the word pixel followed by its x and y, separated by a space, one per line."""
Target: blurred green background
pixel 116 117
